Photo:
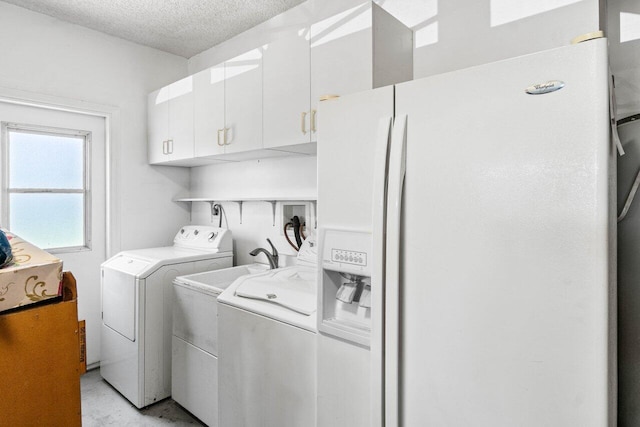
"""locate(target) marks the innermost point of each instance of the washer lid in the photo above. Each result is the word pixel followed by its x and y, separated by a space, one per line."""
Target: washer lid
pixel 288 288
pixel 294 288
pixel 216 281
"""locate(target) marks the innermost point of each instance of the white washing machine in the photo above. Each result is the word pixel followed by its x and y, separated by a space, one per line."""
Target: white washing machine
pixel 194 364
pixel 137 296
pixel 267 347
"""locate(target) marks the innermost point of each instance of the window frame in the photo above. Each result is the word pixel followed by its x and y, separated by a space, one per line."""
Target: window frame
pixel 6 129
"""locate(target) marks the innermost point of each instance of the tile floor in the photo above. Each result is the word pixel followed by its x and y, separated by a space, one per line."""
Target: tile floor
pixel 102 405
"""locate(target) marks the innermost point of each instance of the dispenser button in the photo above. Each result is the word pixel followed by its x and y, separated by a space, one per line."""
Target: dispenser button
pixel 351 257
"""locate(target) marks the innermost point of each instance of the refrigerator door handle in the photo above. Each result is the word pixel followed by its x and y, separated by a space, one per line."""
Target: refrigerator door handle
pixel 380 168
pixel 397 170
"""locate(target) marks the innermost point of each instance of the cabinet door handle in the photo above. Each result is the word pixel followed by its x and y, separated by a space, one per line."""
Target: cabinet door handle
pixel 220 130
pixel 313 120
pixel 328 97
pixel 164 147
pixel 225 136
pixel 170 146
pixel 303 122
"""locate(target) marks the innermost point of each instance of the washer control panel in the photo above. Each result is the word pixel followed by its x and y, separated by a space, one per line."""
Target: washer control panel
pixel 204 237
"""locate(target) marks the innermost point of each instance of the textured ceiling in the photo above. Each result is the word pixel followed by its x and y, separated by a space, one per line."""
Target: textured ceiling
pixel 181 27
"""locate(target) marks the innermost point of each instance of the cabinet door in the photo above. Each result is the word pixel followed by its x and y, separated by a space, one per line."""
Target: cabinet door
pixel 287 89
pixel 181 119
pixel 209 111
pixel 157 125
pixel 243 102
pixel 341 55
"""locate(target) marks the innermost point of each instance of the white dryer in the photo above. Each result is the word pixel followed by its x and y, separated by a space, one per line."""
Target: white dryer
pixel 267 346
pixel 137 296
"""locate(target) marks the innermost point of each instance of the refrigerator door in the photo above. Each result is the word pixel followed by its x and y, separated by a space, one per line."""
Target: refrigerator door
pixel 506 275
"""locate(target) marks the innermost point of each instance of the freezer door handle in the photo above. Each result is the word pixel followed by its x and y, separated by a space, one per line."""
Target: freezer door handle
pixel 397 169
pixel 381 157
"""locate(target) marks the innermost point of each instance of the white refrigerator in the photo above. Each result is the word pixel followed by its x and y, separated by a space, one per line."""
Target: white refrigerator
pixel 467 242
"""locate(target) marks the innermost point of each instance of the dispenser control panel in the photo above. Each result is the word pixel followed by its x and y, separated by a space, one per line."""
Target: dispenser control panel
pixel 346 251
pixel 345 283
pixel 350 257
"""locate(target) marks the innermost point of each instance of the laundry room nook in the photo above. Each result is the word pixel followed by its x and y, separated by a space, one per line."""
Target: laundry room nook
pixel 319 213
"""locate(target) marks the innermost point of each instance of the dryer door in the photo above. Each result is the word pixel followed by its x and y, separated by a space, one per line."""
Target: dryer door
pixel 119 294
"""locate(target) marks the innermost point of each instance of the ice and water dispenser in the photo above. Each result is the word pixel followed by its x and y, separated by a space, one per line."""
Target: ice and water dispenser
pixel 345 281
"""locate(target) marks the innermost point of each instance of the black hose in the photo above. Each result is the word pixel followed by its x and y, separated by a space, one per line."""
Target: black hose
pixel 296 230
pixel 286 236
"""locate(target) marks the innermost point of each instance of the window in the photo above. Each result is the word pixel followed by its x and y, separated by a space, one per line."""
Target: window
pixel 46 197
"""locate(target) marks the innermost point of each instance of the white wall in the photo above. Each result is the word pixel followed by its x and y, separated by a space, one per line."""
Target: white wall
pixel 72 64
pixel 456 34
pixel 44 55
pixel 269 178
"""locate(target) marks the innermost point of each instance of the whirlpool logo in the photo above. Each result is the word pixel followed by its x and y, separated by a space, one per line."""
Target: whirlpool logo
pixel 547 87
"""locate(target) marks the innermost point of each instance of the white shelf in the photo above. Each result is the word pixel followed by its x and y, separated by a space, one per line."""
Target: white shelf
pixel 246 199
pixel 241 200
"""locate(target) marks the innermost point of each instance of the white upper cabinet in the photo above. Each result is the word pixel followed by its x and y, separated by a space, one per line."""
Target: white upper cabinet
pixel 345 47
pixel 341 53
pixel 352 50
pixel 264 102
pixel 209 121
pixel 228 107
pixel 243 102
pixel 181 119
pixel 286 91
pixel 170 122
pixel 158 125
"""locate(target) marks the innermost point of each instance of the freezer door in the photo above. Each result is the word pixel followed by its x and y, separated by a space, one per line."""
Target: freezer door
pixel 352 172
pixel 505 268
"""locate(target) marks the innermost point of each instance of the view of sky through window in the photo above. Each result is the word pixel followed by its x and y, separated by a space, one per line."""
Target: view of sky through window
pixel 46 188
